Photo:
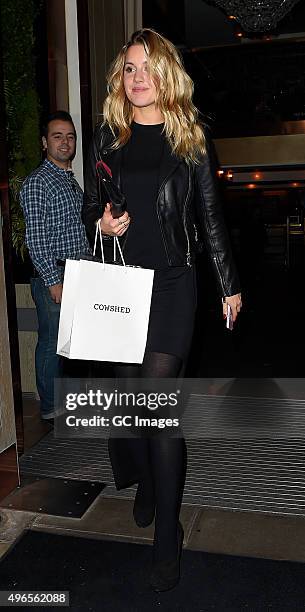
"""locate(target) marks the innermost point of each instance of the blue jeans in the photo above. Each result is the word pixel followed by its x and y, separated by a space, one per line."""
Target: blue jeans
pixel 48 364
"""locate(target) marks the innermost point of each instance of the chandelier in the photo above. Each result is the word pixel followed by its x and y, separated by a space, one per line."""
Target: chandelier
pixel 256 15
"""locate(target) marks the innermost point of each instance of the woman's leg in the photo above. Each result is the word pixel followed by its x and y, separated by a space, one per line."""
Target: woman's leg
pixel 161 462
pixel 168 463
pixel 144 506
pixel 168 457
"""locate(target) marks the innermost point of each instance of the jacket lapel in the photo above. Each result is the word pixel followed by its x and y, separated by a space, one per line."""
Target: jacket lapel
pixel 113 159
pixel 169 163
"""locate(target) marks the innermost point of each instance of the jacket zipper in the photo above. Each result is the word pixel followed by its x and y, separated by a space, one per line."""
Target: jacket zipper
pixel 158 214
pixel 220 274
pixel 188 254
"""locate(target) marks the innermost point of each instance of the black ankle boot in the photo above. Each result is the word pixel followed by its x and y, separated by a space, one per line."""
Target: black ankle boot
pixel 166 574
pixel 143 508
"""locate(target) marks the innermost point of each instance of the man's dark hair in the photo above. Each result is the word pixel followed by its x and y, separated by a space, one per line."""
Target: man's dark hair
pixel 60 115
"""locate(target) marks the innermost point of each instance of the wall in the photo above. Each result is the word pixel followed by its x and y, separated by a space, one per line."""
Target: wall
pixel 285 150
pixel 106 27
pixel 7 417
pixel 27 335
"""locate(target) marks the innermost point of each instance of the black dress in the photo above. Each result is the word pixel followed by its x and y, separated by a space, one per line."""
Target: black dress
pixel 174 290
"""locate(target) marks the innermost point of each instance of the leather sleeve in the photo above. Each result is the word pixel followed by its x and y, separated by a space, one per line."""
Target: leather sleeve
pixel 92 209
pixel 210 214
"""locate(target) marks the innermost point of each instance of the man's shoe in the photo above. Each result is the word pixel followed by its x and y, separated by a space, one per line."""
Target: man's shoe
pixel 48 417
pixel 143 510
pixel 166 574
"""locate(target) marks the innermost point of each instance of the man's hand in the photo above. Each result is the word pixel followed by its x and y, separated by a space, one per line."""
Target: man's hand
pixel 56 292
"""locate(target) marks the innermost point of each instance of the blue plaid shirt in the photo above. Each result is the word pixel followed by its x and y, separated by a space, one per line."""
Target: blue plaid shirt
pixel 52 201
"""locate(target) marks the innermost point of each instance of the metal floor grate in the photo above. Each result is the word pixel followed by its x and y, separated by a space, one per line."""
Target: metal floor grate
pixel 251 456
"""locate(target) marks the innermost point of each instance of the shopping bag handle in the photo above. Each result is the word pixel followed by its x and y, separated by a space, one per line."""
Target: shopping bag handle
pixel 116 243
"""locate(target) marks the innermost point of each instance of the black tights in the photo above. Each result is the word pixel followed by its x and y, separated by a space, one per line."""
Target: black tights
pixel 155 365
pixel 161 460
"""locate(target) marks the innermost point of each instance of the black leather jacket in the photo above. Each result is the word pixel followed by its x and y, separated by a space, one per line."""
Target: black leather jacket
pixel 188 202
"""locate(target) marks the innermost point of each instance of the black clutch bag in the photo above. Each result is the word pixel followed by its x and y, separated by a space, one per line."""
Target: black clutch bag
pixel 108 190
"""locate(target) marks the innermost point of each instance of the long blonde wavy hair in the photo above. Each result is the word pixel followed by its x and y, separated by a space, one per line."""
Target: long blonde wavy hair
pixel 174 96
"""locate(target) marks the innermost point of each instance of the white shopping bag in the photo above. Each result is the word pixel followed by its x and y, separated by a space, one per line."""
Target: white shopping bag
pixel 104 311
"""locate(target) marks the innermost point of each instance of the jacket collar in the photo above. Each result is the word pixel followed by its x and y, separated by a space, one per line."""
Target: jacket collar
pixel 113 158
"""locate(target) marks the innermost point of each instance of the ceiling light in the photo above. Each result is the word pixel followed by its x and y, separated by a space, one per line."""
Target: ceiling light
pixel 258 15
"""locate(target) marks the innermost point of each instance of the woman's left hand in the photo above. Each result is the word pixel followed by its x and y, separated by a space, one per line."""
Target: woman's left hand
pixel 235 303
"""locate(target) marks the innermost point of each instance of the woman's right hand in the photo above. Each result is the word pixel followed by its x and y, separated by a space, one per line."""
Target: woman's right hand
pixel 111 226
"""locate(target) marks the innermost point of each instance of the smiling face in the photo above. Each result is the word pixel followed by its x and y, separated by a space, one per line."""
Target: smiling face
pixel 60 142
pixel 138 84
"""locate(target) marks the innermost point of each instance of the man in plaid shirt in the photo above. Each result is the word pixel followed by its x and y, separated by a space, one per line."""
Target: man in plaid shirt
pixel 52 201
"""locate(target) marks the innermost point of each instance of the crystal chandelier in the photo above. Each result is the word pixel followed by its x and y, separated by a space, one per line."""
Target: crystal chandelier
pixel 256 15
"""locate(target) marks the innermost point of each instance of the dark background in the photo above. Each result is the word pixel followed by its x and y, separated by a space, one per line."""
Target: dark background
pixel 246 86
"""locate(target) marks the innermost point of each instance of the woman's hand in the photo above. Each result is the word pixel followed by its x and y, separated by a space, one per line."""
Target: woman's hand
pixel 111 226
pixel 235 302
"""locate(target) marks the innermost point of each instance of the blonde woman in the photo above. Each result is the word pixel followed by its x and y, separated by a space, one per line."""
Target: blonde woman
pixel 159 156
